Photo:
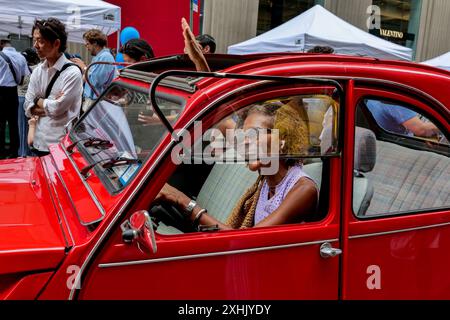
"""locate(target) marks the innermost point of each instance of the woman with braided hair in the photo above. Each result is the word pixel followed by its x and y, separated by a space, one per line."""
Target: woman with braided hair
pixel 287 196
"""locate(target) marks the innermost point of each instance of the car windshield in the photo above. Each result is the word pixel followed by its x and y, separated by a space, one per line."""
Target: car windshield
pixel 121 131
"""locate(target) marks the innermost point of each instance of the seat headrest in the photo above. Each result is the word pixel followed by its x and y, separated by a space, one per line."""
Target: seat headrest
pixel 365 150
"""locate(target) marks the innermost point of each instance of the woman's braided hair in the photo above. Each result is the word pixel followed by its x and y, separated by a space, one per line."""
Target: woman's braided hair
pixel 243 214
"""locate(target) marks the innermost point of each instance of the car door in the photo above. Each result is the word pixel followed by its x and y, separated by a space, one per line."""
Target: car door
pixel 295 261
pixel 397 247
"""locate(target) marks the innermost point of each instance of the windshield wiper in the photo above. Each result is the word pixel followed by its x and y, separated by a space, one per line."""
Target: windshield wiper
pixel 110 163
pixel 91 142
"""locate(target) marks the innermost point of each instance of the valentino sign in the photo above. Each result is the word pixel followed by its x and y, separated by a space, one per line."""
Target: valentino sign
pixel 392 33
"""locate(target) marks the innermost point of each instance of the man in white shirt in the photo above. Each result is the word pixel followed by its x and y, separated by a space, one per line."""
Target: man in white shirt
pixel 59 105
pixel 13 68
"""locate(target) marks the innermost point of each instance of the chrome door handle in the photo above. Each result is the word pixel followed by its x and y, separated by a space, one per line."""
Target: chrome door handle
pixel 327 251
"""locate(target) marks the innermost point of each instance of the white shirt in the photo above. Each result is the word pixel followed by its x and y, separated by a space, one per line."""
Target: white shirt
pixel 59 112
pixel 19 64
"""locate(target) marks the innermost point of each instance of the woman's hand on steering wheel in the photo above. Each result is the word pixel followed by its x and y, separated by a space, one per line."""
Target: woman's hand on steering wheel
pixel 173 196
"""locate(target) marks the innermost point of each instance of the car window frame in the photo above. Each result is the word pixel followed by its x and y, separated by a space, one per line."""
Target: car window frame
pixel 394 137
pixel 211 111
pixel 411 103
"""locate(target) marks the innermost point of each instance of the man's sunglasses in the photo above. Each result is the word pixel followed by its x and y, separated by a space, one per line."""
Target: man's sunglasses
pixel 48 26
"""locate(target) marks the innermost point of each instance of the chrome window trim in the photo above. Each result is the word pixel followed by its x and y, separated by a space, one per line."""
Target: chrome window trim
pixel 60 206
pixel 34 250
pixel 88 188
pixel 119 213
pixel 213 254
pixel 376 234
pixel 68 195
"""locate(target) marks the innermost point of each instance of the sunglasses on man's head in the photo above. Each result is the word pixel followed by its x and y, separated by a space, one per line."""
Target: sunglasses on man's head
pixel 48 26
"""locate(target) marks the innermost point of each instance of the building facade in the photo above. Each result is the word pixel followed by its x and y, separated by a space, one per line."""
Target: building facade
pixel 418 24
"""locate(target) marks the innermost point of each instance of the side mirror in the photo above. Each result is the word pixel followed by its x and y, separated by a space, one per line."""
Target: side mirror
pixel 140 229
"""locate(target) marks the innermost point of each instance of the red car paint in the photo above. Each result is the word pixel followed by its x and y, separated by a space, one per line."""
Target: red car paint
pixel 45 242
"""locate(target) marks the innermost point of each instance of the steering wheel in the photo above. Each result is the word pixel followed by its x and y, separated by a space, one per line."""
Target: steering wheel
pixel 171 216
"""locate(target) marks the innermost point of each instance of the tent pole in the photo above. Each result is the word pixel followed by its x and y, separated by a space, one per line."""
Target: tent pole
pixel 20 27
pixel 118 40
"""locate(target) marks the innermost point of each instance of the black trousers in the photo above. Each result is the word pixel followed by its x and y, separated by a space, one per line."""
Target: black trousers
pixel 9 105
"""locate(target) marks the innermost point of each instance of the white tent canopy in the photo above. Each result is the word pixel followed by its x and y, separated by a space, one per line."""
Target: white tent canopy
pixel 18 16
pixel 319 27
pixel 442 62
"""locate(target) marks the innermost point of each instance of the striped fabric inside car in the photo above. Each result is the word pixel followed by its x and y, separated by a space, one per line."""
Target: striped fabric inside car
pixel 406 180
pixel 224 187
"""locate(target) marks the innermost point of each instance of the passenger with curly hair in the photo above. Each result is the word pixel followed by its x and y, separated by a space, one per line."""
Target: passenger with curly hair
pixel 288 195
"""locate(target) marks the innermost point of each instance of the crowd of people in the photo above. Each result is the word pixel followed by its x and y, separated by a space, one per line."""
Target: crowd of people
pixel 43 88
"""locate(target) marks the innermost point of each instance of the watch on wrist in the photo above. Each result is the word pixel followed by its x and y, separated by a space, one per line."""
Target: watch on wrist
pixel 189 208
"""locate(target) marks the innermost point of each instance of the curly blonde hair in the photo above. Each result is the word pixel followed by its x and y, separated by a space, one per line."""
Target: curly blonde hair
pixel 291 120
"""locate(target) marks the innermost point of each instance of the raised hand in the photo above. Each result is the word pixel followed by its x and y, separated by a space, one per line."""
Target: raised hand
pixel 192 48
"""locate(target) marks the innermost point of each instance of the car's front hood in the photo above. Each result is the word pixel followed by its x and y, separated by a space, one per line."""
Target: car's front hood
pixel 31 237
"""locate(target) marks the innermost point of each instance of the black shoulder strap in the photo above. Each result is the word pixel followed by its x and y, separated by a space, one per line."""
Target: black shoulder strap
pixel 56 76
pixel 11 67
